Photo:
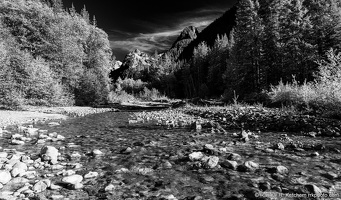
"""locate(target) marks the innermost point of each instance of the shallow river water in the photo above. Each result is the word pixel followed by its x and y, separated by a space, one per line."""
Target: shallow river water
pixel 151 162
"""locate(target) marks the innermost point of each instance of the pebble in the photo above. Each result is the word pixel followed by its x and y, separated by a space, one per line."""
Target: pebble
pixel 230 164
pixel 97 152
pixel 5 176
pixel 282 170
pixel 212 162
pixel 17 142
pixel 40 186
pixel 196 156
pixel 279 146
pixel 234 157
pixel 331 175
pixel 73 179
pixel 249 166
pixel 91 175
pixel 3 155
pixel 57 197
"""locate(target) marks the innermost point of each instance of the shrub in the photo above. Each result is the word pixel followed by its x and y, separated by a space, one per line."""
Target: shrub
pixel 119 97
pixel 152 94
pixel 130 85
pixel 322 95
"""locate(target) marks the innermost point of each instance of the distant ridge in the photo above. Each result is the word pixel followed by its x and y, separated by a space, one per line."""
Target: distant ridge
pixel 222 25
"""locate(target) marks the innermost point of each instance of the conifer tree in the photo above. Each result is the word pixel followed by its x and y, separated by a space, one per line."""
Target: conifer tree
pixel 248 45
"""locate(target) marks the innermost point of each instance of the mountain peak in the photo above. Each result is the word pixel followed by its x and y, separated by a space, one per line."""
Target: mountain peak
pixel 190 32
pixel 187 35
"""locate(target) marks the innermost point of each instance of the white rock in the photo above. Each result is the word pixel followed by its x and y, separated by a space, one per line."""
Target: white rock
pixel 60 137
pixel 1 186
pixel 77 186
pixel 282 170
pixel 3 155
pixel 109 188
pixel 91 175
pixel 73 179
pixel 68 172
pixel 49 153
pixel 31 132
pixel 18 168
pixel 17 142
pixel 40 186
pixel 212 162
pixel 5 177
pixel 97 152
pixel 251 166
pixel 57 196
pixel 53 124
pixel 55 187
pixel 52 135
pixel 196 156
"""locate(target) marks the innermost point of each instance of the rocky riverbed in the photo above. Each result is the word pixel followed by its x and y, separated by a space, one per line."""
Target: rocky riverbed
pixel 147 155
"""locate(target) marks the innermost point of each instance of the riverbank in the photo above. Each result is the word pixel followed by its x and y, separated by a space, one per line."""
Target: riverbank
pixel 31 114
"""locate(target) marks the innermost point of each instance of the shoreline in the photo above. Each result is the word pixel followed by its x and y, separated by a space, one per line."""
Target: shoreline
pixel 37 113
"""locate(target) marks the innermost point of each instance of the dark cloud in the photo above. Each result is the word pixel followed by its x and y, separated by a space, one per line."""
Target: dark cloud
pixel 150 25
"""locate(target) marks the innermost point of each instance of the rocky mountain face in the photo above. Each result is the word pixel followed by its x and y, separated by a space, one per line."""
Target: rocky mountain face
pixel 189 34
pixel 134 61
pixel 222 25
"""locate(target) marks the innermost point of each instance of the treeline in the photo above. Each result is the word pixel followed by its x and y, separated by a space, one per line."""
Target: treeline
pixel 273 41
pixel 51 56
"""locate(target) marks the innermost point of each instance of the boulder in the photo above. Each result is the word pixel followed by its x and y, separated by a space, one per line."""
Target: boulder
pixel 49 153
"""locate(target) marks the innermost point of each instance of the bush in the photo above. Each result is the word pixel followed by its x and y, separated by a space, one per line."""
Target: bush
pixel 119 97
pixel 130 85
pixel 152 94
pixel 322 95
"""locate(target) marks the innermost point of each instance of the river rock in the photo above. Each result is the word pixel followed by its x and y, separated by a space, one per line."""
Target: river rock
pixel 40 186
pixel 17 142
pixel 3 154
pixel 212 162
pixel 195 156
pixel 18 168
pixel 97 152
pixel 279 146
pixel 49 153
pixel 5 176
pixel 281 170
pixel 91 175
pixel 249 166
pixel 331 175
pixel 312 189
pixel 73 179
pixel 229 164
pixel 234 157
pixel 31 132
pixel 51 124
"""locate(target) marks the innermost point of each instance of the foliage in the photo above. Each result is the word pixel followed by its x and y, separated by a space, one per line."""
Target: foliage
pixel 50 56
pixel 324 94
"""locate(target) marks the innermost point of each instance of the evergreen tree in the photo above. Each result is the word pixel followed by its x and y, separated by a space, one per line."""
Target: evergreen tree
pixel 248 46
pixel 85 15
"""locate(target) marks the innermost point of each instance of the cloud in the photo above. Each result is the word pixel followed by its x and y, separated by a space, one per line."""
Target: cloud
pixel 162 32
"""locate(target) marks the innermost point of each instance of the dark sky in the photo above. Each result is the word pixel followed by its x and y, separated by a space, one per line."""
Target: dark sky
pixel 149 25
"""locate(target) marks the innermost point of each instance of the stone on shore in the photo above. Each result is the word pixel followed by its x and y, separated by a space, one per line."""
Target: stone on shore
pixel 73 179
pixel 5 176
pixel 196 156
pixel 49 153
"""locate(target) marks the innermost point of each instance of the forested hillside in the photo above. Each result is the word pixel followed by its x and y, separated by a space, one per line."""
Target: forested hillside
pixel 50 56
